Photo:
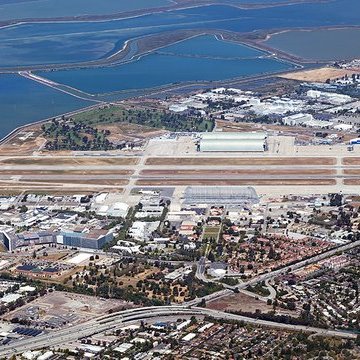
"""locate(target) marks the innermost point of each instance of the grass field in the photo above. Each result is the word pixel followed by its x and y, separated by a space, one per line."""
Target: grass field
pixel 211 232
pixel 147 117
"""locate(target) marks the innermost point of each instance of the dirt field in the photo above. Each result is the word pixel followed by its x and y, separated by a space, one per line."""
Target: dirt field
pixel 13 188
pixel 117 182
pixel 242 302
pixel 24 142
pixel 351 181
pixel 74 161
pixel 351 161
pixel 9 192
pixel 351 171
pixel 124 131
pixel 133 280
pixel 54 192
pixel 79 307
pixel 239 161
pixel 264 172
pixel 65 172
pixel 319 75
pixel 250 182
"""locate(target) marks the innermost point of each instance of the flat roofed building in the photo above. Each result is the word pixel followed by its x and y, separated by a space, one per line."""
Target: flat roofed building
pixel 94 239
pixel 233 142
pixel 233 145
pixel 220 195
pixel 13 241
pixel 297 119
pixel 218 135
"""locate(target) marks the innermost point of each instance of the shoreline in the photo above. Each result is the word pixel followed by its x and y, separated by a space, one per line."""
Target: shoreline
pixel 168 88
pixel 218 36
pixel 20 128
pixel 256 39
pixel 270 35
pixel 174 5
pixel 169 38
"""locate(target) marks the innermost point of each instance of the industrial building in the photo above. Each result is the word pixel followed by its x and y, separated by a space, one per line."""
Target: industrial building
pixel 220 195
pixel 233 142
pixel 94 239
pixel 297 119
pixel 354 141
pixel 305 120
pixel 13 241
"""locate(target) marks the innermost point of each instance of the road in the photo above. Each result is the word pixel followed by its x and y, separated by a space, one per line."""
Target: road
pixel 200 269
pixel 270 275
pixel 116 320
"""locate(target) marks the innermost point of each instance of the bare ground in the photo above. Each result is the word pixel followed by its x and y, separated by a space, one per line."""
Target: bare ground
pixel 351 181
pixel 200 182
pixel 319 75
pixel 83 161
pixel 65 172
pixel 240 172
pixel 351 171
pixel 238 161
pixel 351 161
pixel 242 302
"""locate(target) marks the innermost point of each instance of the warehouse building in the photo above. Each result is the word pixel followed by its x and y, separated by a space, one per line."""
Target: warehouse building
pixel 233 142
pixel 297 119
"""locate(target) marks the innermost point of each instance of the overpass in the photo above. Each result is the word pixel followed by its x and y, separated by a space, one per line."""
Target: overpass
pixel 119 319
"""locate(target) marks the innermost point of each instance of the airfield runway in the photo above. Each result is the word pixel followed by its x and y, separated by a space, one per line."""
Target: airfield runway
pixel 125 172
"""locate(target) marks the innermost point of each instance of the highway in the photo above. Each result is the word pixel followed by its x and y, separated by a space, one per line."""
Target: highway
pixel 119 319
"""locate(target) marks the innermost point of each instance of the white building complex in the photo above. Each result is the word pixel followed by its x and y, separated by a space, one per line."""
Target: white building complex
pixel 233 141
pixel 297 119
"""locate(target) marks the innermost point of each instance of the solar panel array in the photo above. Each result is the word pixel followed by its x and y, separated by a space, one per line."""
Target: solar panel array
pixel 27 331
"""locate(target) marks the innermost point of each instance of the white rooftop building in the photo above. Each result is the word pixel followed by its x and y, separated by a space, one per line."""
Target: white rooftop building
pixel 142 230
pixel 297 119
pixel 333 98
pixel 233 142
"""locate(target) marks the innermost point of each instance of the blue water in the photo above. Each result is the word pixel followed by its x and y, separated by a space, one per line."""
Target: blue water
pixel 61 8
pixel 172 65
pixel 23 101
pixel 208 46
pixel 319 44
pixel 73 42
pixel 35 9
